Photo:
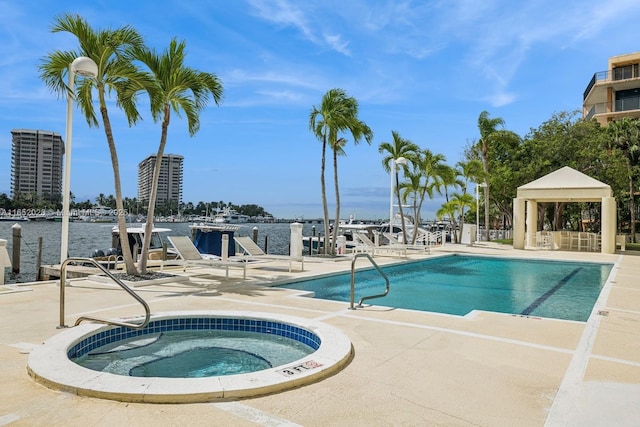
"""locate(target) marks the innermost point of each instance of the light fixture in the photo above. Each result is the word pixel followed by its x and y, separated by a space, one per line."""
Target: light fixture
pixel 394 165
pixel 84 67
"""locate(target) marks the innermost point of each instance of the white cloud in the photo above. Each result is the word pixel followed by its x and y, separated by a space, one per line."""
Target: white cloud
pixel 336 43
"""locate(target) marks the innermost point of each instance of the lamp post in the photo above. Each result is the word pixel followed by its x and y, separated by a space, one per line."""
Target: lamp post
pixel 478 186
pixel 84 67
pixel 394 166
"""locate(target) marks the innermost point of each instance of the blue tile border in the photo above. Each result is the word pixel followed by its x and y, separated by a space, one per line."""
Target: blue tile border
pixel 272 327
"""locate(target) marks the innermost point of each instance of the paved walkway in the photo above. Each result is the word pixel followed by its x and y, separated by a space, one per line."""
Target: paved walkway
pixel 409 368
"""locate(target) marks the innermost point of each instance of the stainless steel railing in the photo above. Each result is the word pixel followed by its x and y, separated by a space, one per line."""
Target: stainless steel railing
pixel 353 280
pixel 63 278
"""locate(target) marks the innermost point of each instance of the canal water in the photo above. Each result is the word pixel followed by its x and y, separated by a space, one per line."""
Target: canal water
pixel 85 237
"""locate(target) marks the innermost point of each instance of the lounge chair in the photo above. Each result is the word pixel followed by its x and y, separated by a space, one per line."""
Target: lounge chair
pixel 418 246
pixel 363 239
pixel 192 256
pixel 252 251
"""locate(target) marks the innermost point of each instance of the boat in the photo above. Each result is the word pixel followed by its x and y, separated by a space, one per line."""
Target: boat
pixel 207 237
pixel 313 244
pixel 230 216
pixel 113 255
pixel 11 218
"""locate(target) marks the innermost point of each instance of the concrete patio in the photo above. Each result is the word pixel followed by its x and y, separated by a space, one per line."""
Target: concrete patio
pixel 409 368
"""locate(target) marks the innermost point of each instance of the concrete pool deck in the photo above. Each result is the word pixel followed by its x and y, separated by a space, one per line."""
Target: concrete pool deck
pixel 409 368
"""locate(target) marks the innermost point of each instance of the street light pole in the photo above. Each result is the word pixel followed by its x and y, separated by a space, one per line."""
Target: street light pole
pixel 478 186
pixel 477 213
pixel 394 166
pixel 84 67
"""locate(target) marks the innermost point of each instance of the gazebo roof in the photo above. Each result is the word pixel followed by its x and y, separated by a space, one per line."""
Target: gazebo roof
pixel 565 185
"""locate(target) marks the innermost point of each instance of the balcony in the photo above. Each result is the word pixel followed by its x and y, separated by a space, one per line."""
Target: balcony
pixel 621 106
pixel 618 74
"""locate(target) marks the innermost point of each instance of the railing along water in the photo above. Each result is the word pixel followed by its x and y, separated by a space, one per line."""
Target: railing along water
pixel 63 278
pixel 353 280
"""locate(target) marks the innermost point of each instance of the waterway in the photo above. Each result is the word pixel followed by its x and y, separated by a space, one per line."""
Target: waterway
pixel 85 237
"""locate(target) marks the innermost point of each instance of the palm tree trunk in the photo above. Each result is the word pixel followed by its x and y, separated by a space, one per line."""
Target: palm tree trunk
pixel 417 222
pixel 122 222
pixel 148 229
pixel 334 239
pixel 404 231
pixel 632 205
pixel 325 207
pixel 485 165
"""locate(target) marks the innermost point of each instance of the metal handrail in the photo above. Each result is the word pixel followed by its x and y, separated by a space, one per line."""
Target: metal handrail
pixel 353 280
pixel 63 278
pixel 113 259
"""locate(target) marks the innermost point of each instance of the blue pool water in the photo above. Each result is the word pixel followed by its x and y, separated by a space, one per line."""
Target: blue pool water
pixel 194 348
pixel 459 284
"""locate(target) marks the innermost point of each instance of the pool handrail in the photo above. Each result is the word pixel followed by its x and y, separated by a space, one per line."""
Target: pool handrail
pixel 63 278
pixel 353 280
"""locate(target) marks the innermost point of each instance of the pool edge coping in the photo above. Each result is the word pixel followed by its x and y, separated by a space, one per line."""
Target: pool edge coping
pixel 49 365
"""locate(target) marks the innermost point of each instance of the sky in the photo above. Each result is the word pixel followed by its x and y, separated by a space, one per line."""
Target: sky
pixel 423 68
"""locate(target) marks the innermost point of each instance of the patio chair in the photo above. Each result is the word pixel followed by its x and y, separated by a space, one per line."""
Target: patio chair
pixel 399 250
pixel 252 251
pixel 192 256
pixel 424 247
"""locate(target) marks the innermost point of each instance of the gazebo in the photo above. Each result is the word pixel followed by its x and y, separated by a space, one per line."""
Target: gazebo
pixel 564 185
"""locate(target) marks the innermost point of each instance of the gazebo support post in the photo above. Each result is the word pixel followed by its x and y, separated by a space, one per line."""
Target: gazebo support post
pixel 532 222
pixel 518 223
pixel 609 226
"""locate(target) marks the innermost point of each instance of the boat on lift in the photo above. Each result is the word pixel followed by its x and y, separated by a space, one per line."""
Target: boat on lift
pixel 135 239
pixel 207 237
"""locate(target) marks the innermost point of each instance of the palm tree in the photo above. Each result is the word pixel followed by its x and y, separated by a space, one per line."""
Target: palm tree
pixel 625 134
pixel 488 128
pixel 336 114
pixel 400 147
pixel 449 210
pixel 110 50
pixel 171 86
pixel 435 172
pixel 424 180
pixel 461 201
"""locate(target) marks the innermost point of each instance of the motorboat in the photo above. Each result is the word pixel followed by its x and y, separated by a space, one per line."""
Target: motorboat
pixel 135 238
pixel 230 216
pixel 314 244
pixel 207 237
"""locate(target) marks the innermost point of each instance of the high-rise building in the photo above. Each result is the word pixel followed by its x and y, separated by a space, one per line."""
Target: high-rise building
pixel 614 93
pixel 169 182
pixel 36 164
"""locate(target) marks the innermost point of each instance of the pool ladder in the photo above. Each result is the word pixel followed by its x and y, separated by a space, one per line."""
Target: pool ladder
pixel 63 279
pixel 353 280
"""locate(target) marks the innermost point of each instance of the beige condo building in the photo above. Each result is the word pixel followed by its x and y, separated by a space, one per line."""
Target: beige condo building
pixel 614 93
pixel 169 182
pixel 36 164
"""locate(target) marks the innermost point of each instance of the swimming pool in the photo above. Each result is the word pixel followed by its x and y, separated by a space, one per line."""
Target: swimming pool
pixel 459 284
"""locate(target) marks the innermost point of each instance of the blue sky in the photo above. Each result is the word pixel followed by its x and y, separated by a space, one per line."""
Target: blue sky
pixel 423 68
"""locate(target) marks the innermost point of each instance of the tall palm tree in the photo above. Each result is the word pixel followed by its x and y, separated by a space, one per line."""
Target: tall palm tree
pixel 490 131
pixel 110 50
pixel 468 172
pixel 400 147
pixel 171 86
pixel 337 113
pixel 625 134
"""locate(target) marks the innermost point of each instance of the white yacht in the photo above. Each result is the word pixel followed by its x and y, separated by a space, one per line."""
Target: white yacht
pixel 230 216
